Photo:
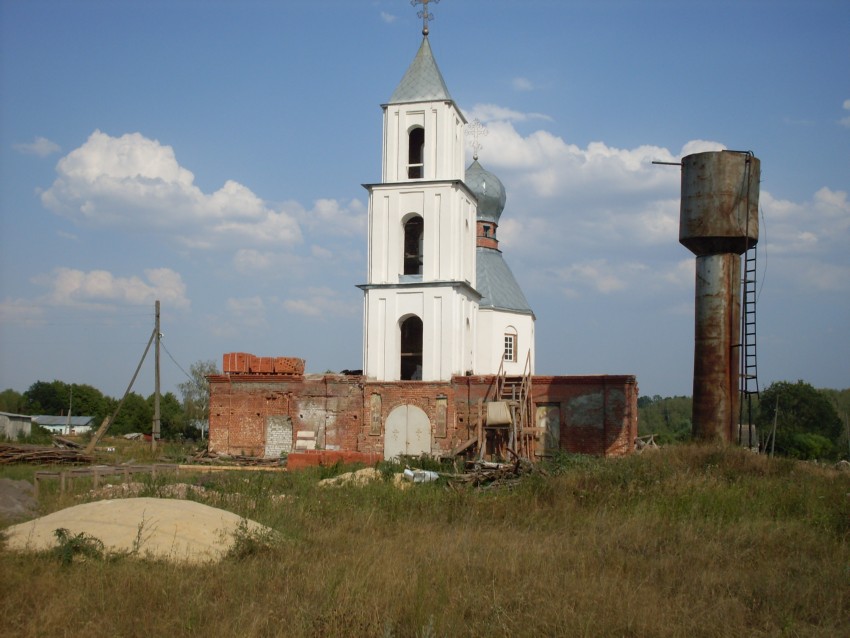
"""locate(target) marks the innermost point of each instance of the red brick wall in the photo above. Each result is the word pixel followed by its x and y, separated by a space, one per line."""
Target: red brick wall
pixel 598 413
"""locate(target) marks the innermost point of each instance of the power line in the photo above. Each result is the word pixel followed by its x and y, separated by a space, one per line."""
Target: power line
pixel 170 356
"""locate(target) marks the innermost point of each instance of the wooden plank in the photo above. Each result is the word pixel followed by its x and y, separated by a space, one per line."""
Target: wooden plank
pixel 465 446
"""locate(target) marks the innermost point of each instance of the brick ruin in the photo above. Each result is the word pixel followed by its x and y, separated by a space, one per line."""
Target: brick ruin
pixel 262 406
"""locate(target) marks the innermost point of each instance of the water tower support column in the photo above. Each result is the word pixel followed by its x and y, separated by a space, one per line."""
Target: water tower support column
pixel 716 346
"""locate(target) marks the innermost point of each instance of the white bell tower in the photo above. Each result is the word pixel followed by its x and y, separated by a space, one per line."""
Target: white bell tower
pixel 420 301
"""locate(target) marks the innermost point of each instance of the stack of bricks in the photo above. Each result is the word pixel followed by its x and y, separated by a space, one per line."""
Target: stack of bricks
pixel 245 363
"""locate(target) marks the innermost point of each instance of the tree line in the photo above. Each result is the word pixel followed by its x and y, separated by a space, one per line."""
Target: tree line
pixel 809 423
pixel 183 417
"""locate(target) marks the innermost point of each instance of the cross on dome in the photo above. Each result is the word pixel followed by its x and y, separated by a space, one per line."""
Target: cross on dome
pixel 476 129
pixel 426 15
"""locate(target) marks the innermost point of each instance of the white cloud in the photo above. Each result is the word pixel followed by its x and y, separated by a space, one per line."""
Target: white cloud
pixel 320 253
pixel 818 227
pixel 604 218
pixel 388 17
pixel 332 217
pixel 250 261
pixel 100 288
pixel 40 146
pixel 495 113
pixel 680 274
pixel 599 275
pixel 845 121
pixel 322 302
pixel 21 312
pixel 136 183
pixel 522 84
pixel 248 311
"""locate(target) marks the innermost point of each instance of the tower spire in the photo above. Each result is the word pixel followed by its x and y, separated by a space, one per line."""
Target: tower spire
pixel 426 15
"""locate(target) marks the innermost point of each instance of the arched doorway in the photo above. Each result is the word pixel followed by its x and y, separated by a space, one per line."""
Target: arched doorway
pixel 411 349
pixel 407 432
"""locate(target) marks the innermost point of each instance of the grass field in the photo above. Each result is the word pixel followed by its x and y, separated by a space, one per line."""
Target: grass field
pixel 683 541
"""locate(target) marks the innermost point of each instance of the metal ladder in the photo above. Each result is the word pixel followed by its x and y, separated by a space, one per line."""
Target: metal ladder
pixel 749 367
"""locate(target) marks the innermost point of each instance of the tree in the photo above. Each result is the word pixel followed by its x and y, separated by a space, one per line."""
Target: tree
pixel 668 418
pixel 807 424
pixel 172 420
pixel 44 397
pixel 89 401
pixel 135 416
pixel 12 401
pixel 57 398
pixel 840 400
pixel 196 394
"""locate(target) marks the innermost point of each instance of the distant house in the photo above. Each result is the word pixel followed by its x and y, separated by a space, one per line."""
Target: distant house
pixel 65 425
pixel 14 425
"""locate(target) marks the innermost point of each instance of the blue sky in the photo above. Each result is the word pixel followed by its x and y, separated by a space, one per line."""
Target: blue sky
pixel 210 154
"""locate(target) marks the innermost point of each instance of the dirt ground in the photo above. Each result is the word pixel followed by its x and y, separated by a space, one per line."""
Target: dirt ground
pixel 17 500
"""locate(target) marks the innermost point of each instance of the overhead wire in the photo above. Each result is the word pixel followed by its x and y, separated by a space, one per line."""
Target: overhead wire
pixel 174 361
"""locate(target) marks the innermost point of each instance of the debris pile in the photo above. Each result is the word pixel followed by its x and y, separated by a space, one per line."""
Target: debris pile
pixel 205 457
pixel 42 455
pixel 489 475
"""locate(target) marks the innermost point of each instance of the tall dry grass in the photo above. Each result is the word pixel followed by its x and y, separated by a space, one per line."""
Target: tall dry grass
pixel 686 541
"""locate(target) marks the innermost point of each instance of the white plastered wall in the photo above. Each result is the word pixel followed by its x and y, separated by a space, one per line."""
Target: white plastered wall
pixel 444 150
pixel 448 212
pixel 492 327
pixel 447 340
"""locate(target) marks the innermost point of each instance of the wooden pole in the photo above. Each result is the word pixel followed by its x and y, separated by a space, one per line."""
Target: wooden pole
pixel 773 434
pixel 108 421
pixel 156 415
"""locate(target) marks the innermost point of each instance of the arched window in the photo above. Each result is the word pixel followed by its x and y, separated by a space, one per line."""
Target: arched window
pixel 510 344
pixel 411 349
pixel 414 230
pixel 415 152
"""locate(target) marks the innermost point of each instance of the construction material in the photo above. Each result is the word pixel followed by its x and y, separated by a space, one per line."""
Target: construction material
pixel 488 475
pixel 42 455
pixel 98 472
pixel 169 529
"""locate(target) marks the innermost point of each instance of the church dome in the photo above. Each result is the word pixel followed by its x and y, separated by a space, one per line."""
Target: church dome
pixel 488 190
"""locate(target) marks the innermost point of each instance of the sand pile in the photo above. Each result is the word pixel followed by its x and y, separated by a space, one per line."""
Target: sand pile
pixel 150 527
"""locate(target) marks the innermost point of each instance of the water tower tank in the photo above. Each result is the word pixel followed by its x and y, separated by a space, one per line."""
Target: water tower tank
pixel 719 207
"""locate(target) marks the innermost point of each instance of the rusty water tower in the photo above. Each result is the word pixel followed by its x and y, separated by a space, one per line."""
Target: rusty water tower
pixel 718 222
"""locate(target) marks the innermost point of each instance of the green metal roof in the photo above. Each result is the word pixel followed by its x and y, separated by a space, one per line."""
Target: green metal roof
pixel 496 283
pixel 423 81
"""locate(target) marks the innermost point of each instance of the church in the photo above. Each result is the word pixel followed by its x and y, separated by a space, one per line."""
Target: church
pixel 448 335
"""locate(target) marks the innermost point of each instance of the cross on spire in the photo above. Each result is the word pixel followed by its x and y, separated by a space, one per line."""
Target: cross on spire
pixel 426 15
pixel 476 129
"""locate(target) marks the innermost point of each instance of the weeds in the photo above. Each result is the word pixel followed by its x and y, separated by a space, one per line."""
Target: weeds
pixel 686 540
pixel 252 542
pixel 82 545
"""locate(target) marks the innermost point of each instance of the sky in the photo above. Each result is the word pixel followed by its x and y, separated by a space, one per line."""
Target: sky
pixel 211 154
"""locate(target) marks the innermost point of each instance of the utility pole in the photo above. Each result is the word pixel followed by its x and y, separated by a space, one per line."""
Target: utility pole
pixel 155 429
pixel 773 434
